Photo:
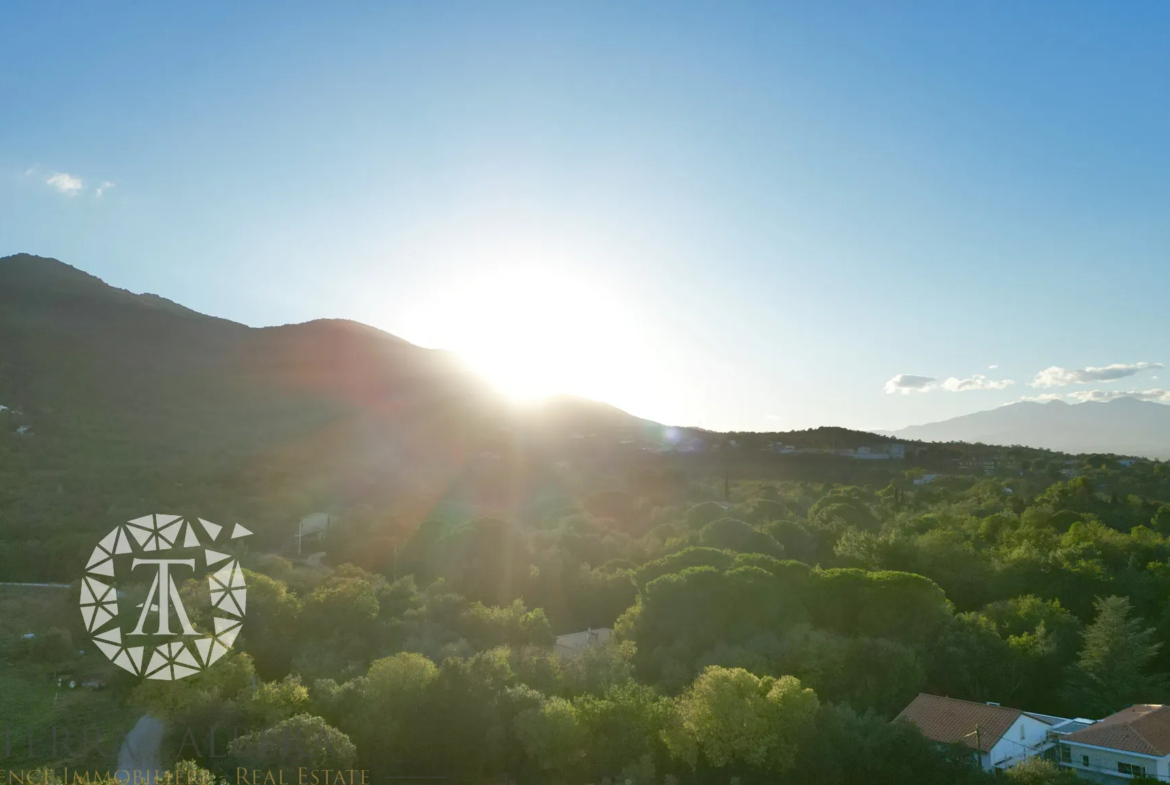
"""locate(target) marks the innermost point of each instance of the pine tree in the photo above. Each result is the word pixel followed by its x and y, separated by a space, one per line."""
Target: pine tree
pixel 1112 672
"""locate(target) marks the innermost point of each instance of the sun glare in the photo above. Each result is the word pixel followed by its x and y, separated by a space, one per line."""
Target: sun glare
pixel 534 332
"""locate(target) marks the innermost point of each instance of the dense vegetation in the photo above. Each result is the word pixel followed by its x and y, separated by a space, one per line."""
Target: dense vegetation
pixel 802 615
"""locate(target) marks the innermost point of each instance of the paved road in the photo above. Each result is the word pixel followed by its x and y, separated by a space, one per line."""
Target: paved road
pixel 39 585
pixel 140 753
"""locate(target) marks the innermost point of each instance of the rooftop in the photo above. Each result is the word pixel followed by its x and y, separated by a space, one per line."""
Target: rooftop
pixel 1143 729
pixel 953 721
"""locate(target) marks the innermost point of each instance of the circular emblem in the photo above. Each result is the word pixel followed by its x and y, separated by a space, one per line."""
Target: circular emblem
pixel 158 639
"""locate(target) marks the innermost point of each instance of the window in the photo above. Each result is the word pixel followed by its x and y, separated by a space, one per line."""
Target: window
pixel 1021 732
pixel 1085 760
pixel 1065 754
pixel 1132 769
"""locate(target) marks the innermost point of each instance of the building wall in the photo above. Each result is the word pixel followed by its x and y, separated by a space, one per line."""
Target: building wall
pixel 1103 763
pixel 1026 738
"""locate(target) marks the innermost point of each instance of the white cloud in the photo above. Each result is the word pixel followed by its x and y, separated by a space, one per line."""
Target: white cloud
pixel 976 382
pixel 1056 376
pixel 1161 396
pixel 1044 398
pixel 107 185
pixel 906 383
pixel 992 367
pixel 65 183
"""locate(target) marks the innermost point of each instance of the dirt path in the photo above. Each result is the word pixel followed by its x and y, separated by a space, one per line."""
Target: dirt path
pixel 140 752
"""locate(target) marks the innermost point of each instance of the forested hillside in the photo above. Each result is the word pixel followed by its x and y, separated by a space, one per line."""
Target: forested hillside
pixel 114 402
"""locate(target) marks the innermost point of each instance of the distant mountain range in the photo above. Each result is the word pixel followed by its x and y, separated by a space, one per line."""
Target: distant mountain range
pixel 1124 426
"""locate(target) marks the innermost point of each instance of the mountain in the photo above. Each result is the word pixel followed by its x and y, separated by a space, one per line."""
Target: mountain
pixel 72 339
pixel 132 402
pixel 1124 426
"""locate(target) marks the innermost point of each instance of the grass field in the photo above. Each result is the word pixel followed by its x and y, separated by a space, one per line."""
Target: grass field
pixel 31 703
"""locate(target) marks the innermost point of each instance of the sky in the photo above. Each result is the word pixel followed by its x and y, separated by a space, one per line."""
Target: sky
pixel 739 216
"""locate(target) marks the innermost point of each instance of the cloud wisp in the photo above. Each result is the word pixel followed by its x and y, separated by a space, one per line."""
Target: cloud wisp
pixel 65 183
pixel 906 383
pixel 68 184
pixel 1101 396
pixel 976 382
pixel 1055 376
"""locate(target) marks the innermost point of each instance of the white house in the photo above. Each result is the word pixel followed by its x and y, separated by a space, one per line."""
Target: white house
pixel 1134 742
pixel 1000 737
pixel 925 479
pixel 575 644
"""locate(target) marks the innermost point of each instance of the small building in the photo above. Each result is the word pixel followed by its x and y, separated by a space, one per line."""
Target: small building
pixel 23 429
pixel 998 736
pixel 312 528
pixel 1134 742
pixel 925 479
pixel 1127 462
pixel 575 644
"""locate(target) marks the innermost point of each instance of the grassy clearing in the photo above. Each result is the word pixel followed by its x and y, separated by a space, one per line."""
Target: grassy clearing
pixel 31 703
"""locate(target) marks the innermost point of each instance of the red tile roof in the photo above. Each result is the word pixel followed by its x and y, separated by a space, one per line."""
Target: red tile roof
pixel 1144 729
pixel 953 721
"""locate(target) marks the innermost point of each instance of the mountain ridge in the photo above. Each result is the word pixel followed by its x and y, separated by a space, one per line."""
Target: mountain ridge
pixel 1123 426
pixel 53 303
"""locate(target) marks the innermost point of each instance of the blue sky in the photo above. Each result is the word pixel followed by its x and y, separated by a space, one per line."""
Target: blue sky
pixel 750 216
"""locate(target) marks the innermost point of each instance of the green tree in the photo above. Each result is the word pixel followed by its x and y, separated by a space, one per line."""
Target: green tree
pixel 623 730
pixel 847 748
pixel 730 534
pixel 275 701
pixel 1161 520
pixel 552 735
pixel 1036 771
pixel 303 741
pixel 731 718
pixel 1113 669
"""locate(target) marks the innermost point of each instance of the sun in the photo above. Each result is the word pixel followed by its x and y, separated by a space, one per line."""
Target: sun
pixel 534 332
